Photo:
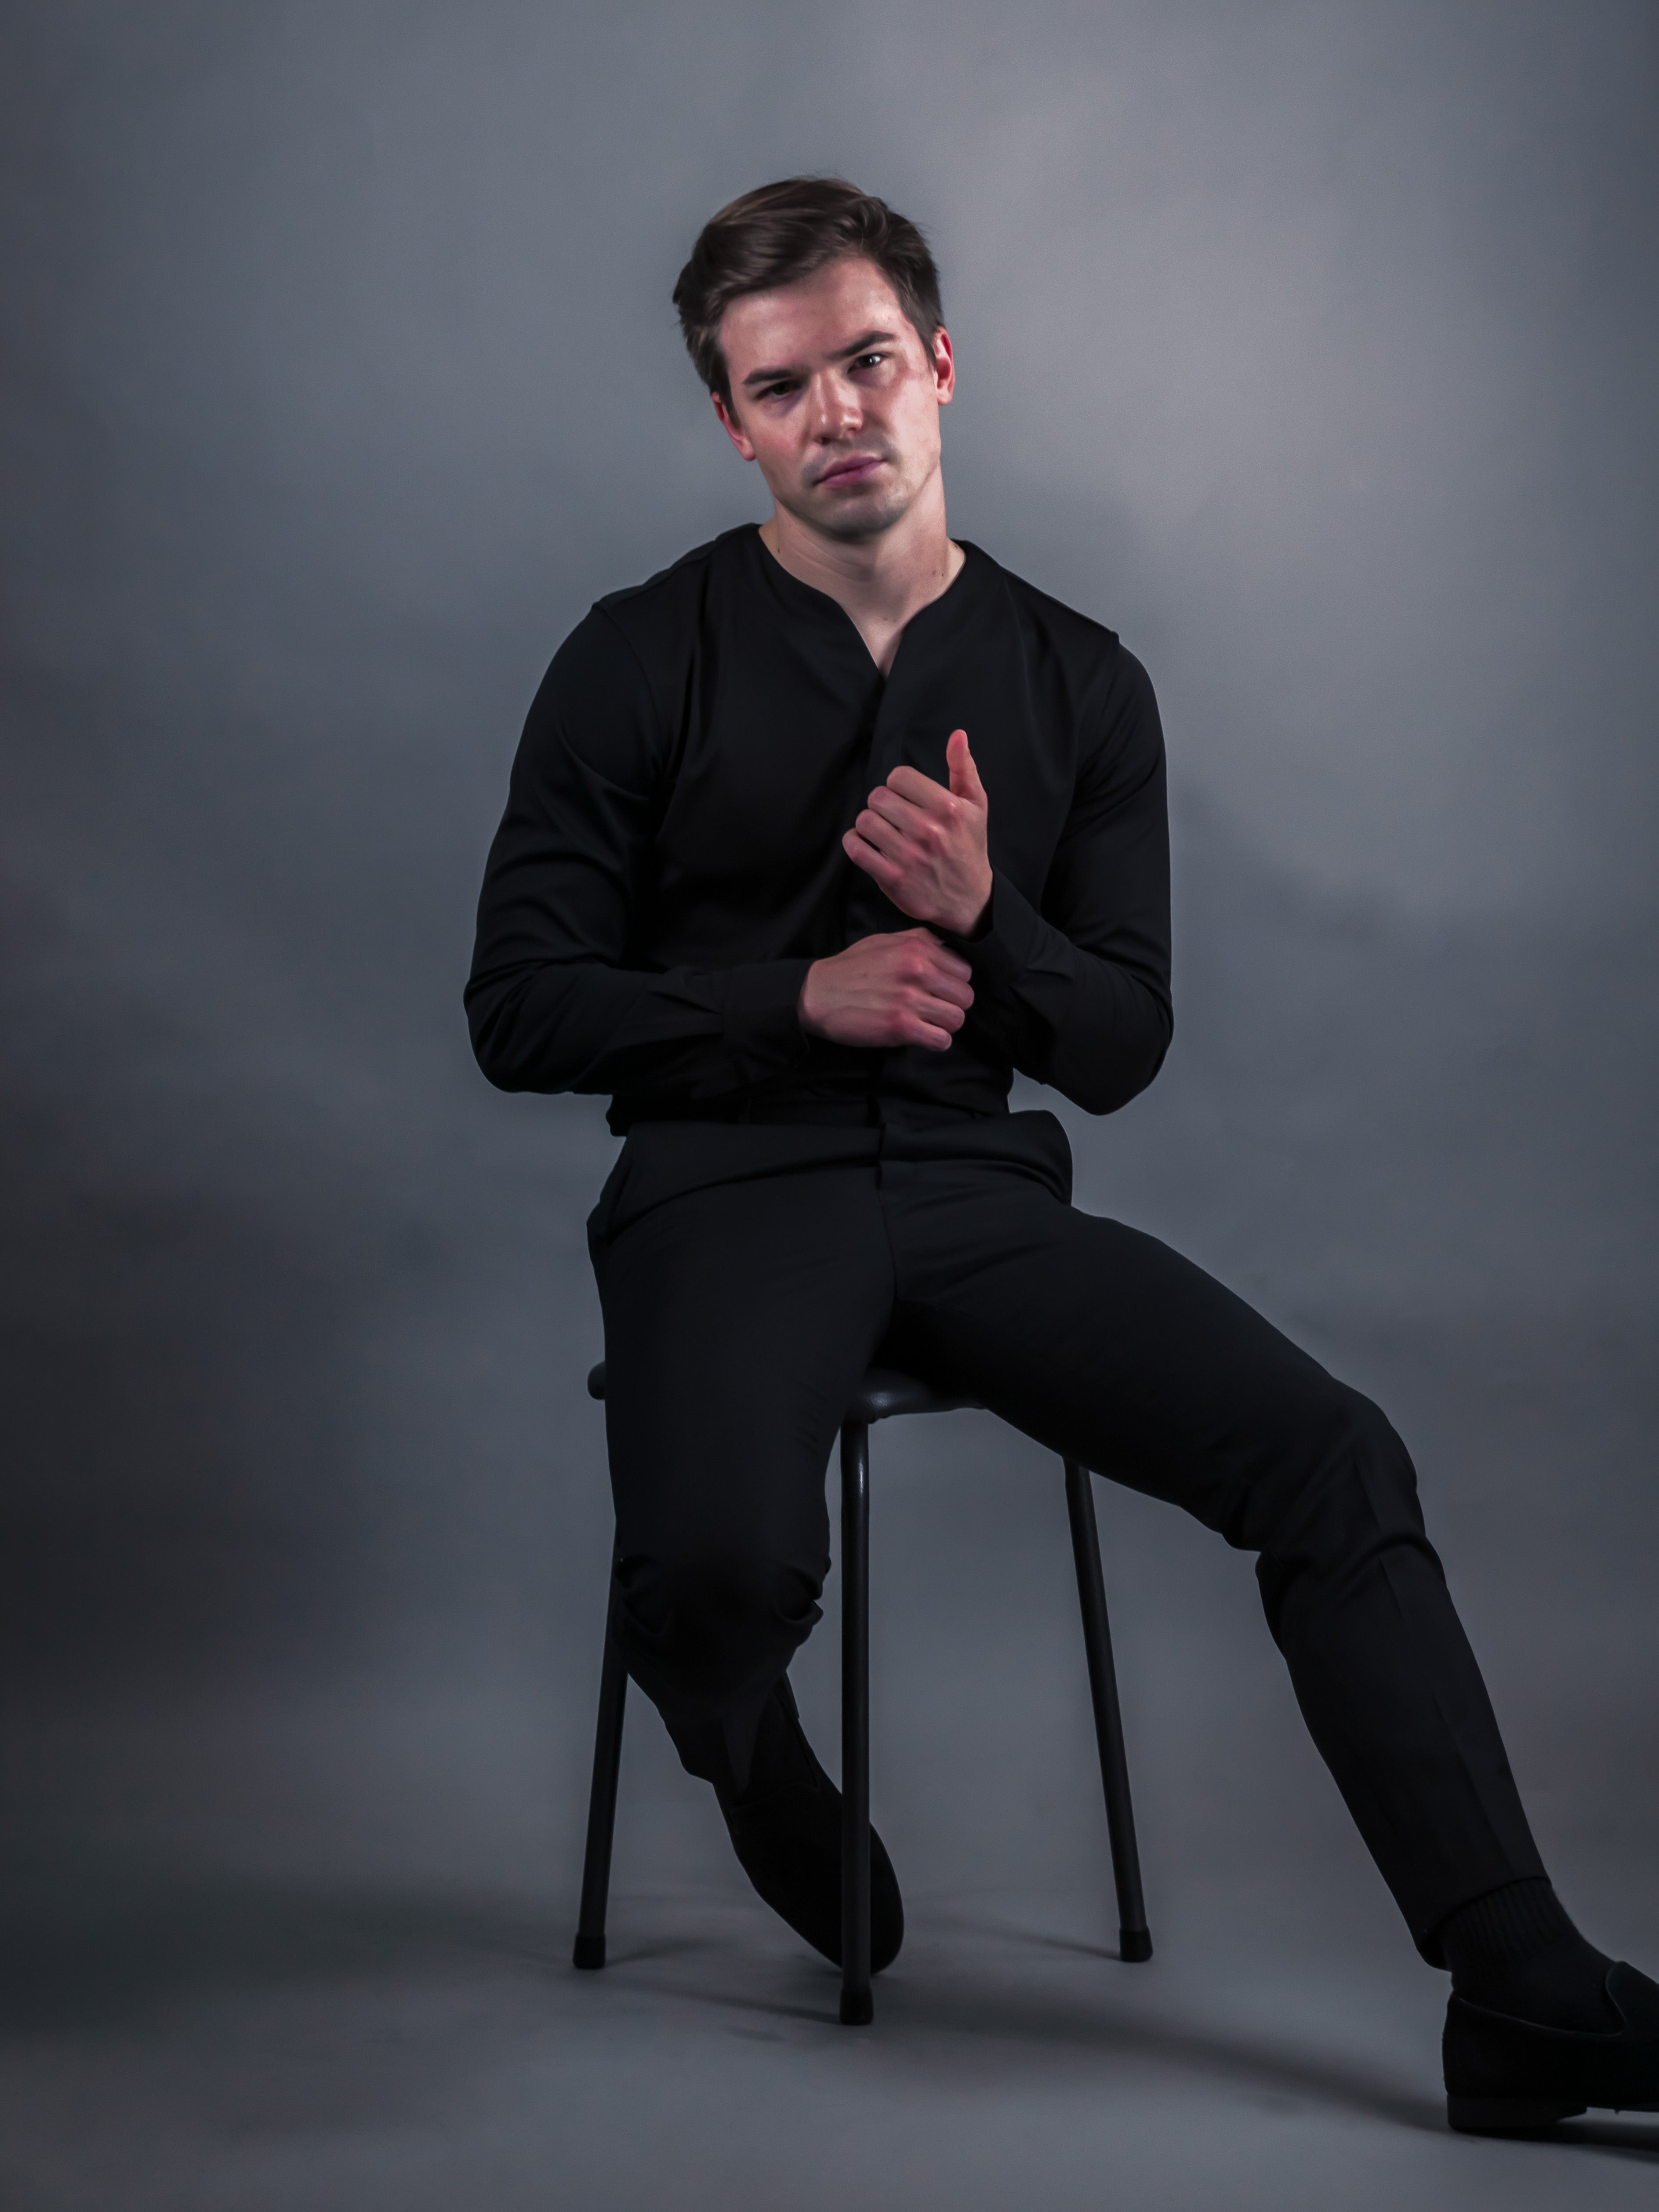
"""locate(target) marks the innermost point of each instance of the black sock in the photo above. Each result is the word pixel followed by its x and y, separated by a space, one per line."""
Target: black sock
pixel 1516 1951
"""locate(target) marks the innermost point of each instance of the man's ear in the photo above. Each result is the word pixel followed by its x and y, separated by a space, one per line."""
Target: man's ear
pixel 945 366
pixel 731 427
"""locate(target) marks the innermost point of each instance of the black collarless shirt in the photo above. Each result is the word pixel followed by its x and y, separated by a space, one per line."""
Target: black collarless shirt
pixel 669 862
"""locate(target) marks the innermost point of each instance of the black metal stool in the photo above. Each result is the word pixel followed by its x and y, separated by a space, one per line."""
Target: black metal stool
pixel 883 1393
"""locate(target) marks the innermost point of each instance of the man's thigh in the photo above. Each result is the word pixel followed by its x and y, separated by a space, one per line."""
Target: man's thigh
pixel 1106 1345
pixel 738 1322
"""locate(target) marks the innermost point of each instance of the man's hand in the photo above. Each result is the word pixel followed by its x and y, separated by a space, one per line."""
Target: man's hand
pixel 901 989
pixel 925 845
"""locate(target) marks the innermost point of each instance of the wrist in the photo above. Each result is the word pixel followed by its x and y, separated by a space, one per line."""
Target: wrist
pixel 804 1011
pixel 978 921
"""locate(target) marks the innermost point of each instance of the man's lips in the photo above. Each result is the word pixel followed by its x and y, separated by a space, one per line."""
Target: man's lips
pixel 856 469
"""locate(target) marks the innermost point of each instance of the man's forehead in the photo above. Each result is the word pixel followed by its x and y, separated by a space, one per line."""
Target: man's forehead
pixel 823 313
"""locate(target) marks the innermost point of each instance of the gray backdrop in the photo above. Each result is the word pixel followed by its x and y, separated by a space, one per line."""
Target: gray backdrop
pixel 1311 346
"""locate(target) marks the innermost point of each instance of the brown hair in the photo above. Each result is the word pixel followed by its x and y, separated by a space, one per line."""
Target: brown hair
pixel 782 232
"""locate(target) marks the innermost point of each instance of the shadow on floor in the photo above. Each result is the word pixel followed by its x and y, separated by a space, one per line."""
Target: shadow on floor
pixel 975 2009
pixel 980 2001
pixel 92 1951
pixel 1631 2139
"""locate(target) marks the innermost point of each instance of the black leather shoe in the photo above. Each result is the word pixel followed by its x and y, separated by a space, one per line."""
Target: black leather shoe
pixel 786 1829
pixel 1505 2076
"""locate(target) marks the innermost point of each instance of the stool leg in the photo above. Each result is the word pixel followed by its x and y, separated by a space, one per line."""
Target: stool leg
pixel 857 2009
pixel 1135 1943
pixel 601 1799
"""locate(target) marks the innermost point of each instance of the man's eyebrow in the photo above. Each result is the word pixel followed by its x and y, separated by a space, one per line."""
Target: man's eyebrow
pixel 756 376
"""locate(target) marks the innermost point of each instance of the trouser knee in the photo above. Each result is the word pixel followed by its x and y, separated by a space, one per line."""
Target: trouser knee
pixel 1349 1499
pixel 709 1633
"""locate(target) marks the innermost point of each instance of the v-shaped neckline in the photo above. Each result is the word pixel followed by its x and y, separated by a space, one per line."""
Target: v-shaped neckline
pixel 812 599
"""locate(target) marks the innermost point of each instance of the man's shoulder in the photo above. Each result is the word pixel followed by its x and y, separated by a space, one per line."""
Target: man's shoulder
pixel 625 649
pixel 1082 666
pixel 676 596
pixel 1076 639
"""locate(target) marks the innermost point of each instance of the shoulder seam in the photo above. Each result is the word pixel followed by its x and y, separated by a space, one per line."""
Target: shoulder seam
pixel 701 554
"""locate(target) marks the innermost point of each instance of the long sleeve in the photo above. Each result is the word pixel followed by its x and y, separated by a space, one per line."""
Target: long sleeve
pixel 1075 991
pixel 554 1002
pixel 670 862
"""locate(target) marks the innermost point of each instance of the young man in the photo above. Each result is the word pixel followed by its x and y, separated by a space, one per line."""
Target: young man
pixel 813 840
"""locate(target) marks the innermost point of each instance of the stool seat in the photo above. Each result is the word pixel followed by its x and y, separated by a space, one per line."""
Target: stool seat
pixel 883 1394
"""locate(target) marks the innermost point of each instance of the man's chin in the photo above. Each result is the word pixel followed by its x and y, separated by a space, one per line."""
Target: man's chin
pixel 848 516
pixel 853 518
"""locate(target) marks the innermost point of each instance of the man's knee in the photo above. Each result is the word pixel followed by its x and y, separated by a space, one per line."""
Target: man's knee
pixel 700 1629
pixel 1350 1493
pixel 1370 1457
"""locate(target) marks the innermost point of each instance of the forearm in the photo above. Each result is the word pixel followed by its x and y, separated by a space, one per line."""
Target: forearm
pixel 558 999
pixel 582 1025
pixel 1095 1024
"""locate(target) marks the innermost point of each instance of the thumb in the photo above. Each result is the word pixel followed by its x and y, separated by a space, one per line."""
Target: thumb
pixel 964 776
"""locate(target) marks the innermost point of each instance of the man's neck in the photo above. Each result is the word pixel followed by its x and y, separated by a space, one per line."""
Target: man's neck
pixel 881 581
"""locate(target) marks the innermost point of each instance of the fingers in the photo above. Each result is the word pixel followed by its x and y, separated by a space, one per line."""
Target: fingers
pixel 863 854
pixel 941 1014
pixel 949 990
pixel 888 835
pixel 938 800
pixel 897 987
pixel 904 832
pixel 939 961
pixel 933 1023
pixel 902 827
pixel 911 788
pixel 964 776
pixel 937 992
pixel 915 957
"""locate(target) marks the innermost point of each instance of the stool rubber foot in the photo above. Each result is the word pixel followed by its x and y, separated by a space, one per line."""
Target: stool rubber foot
pixel 589 1952
pixel 858 2008
pixel 1134 1946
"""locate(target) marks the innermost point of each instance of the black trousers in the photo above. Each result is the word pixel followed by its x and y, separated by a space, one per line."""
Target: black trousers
pixel 749 1274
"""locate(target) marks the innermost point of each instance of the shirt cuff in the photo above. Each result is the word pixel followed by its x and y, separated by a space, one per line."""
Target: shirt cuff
pixel 761 1023
pixel 1002 951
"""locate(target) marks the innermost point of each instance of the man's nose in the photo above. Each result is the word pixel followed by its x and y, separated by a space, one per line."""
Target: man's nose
pixel 835 406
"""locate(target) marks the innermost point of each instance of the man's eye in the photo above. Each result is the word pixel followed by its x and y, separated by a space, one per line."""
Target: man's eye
pixel 870 361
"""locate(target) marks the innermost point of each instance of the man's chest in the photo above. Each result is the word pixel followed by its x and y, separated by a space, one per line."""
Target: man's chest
pixel 780 741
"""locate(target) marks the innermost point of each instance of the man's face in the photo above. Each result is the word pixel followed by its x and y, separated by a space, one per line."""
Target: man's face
pixel 835 397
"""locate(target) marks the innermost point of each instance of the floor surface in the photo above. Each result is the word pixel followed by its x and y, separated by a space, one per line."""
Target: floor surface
pixel 241 2049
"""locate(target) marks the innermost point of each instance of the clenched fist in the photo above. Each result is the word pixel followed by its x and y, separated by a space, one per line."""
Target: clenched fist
pixel 905 988
pixel 925 845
